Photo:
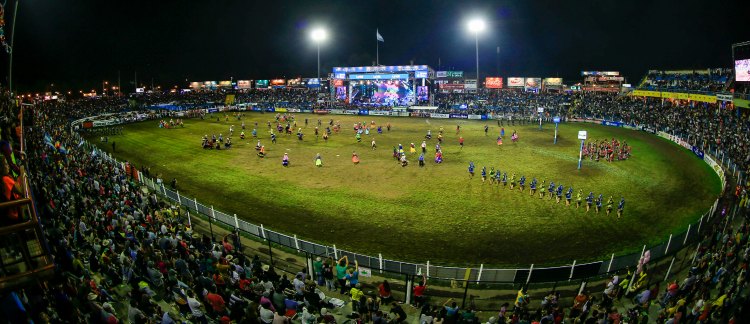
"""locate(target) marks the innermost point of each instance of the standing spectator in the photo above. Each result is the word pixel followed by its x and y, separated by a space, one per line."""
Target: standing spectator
pixel 341 267
pixel 384 290
pixel 419 292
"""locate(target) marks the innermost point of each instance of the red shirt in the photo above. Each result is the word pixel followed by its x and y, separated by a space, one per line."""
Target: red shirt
pixel 419 290
pixel 216 302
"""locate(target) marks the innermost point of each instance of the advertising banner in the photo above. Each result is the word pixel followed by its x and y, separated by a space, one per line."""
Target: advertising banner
pixel 553 81
pixel 451 86
pixel 493 83
pixel 515 82
pixel 440 116
pixel 363 112
pixel 278 82
pixel 611 78
pixel 611 123
pixel 379 76
pixel 441 74
pixel 351 112
pixel 470 84
pixel 475 117
pixel 459 116
pixel 243 84
pixel 715 166
pixel 420 74
pixel 380 113
pixel 195 85
pixel 532 83
pixel 724 97
pixel 321 111
pixel 225 84
pixel 261 84
pixel 280 109
pixel 698 152
pixel 450 74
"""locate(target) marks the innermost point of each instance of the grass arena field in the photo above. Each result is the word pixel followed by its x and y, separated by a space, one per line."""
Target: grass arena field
pixel 437 212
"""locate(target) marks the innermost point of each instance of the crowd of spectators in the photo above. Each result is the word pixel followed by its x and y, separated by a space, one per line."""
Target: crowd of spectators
pixel 505 102
pixel 711 80
pixel 713 127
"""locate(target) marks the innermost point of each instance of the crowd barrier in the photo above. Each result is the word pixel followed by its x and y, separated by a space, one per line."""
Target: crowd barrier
pixel 478 274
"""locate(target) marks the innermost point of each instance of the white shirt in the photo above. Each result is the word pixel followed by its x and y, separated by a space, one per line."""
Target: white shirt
pixel 195 307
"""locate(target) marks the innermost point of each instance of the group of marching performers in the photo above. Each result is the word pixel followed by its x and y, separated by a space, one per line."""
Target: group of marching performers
pixel 552 190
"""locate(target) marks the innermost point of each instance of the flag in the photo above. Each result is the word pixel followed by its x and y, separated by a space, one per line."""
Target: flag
pixel 378 36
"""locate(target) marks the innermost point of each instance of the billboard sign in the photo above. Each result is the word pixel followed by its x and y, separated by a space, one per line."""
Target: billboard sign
pixel 420 74
pixel 553 81
pixel 195 85
pixel 532 83
pixel 209 85
pixel 600 73
pixel 278 82
pixel 261 84
pixel 493 83
pixel 395 68
pixel 515 82
pixel 379 76
pixel 450 74
pixel 470 84
pixel 243 84
pixel 452 86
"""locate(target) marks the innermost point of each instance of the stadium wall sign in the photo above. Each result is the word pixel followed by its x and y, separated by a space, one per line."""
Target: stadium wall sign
pixel 612 123
pixel 459 116
pixel 478 117
pixel 724 97
pixel 698 152
pixel 440 116
pixel 380 113
pixel 321 111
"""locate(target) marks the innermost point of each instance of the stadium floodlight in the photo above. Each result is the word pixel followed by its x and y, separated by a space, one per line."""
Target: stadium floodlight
pixel 476 25
pixel 318 35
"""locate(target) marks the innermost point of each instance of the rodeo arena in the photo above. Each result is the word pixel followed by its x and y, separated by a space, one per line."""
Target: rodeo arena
pixel 88 238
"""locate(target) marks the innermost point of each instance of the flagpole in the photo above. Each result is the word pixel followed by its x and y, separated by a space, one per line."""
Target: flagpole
pixel 377 48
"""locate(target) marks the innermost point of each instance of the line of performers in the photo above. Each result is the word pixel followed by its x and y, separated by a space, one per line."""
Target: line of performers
pixel 552 190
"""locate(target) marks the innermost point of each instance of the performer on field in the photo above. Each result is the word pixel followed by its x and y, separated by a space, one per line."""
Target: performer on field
pixel 620 207
pixel 532 187
pixel 589 200
pixel 484 174
pixel 471 169
pixel 579 198
pixel 610 204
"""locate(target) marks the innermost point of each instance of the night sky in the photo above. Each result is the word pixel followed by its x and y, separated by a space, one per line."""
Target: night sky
pixel 77 44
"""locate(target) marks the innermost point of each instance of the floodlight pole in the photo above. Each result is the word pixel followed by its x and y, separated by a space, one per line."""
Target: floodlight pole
pixel 476 40
pixel 318 42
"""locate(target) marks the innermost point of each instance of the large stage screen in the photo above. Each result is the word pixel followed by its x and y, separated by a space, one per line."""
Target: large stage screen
pixel 383 93
pixel 742 70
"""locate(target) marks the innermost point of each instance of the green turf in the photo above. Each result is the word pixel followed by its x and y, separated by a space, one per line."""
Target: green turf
pixel 434 213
